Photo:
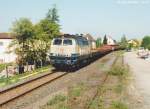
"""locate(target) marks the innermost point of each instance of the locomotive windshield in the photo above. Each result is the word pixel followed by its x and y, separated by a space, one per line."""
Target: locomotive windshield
pixel 57 42
pixel 67 42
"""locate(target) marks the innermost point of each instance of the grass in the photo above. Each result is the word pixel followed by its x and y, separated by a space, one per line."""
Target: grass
pixel 97 103
pixel 77 91
pixel 65 102
pixel 103 64
pixel 118 70
pixel 118 105
pixel 119 53
pixel 119 88
pixel 57 102
pixel 18 77
pixel 3 66
pixel 57 99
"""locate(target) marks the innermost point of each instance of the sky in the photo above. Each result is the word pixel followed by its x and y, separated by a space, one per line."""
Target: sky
pixel 97 17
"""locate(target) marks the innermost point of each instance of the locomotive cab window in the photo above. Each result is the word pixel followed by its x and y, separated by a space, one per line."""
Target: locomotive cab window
pixel 57 42
pixel 67 42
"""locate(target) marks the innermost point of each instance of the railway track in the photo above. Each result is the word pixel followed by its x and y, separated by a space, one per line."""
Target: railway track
pixel 103 82
pixel 12 93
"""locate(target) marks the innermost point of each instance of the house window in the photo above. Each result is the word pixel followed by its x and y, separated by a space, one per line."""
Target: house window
pixel 1 43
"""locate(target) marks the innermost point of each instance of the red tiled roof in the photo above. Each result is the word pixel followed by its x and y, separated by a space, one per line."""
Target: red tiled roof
pixel 6 36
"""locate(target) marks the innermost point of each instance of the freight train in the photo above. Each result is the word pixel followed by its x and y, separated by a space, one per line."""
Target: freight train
pixel 74 50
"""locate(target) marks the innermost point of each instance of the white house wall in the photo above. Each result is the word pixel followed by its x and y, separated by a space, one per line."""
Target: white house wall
pixel 6 57
pixel 110 41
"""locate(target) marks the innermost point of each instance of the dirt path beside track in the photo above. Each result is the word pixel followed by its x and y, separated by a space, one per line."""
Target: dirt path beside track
pixel 140 87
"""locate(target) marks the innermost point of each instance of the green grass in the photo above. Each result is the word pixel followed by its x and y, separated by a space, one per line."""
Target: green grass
pixel 119 53
pixel 118 105
pixel 57 99
pixel 57 102
pixel 18 77
pixel 77 91
pixel 119 88
pixel 118 70
pixel 3 66
pixel 97 103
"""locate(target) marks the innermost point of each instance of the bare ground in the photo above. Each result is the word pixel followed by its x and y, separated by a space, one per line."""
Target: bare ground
pixel 139 88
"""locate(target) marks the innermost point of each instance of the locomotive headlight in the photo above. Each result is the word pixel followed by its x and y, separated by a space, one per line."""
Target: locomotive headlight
pixel 51 54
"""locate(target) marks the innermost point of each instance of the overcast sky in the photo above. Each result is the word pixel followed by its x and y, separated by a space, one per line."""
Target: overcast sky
pixel 97 17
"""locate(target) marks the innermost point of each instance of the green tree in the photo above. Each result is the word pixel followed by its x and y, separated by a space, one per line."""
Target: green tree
pixel 123 39
pixel 48 28
pixel 32 42
pixel 146 42
pixel 52 14
pixel 23 31
pixel 98 42
pixel 123 42
pixel 105 40
pixel 130 46
pixel 45 31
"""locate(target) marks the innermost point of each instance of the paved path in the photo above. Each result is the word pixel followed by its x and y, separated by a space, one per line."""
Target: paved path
pixel 141 73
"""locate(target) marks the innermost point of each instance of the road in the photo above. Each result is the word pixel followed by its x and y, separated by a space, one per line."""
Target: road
pixel 141 74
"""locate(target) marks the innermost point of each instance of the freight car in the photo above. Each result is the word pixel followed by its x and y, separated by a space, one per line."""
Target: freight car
pixel 73 50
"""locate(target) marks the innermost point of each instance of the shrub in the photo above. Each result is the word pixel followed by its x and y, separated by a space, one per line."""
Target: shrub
pixel 118 70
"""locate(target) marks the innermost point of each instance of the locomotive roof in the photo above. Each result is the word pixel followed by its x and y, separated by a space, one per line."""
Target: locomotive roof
pixel 71 36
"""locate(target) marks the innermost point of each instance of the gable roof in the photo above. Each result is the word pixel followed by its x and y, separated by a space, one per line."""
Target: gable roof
pixel 109 37
pixel 6 36
pixel 89 37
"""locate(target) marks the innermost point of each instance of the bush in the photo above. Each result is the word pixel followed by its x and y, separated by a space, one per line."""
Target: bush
pixel 118 70
pixel 146 42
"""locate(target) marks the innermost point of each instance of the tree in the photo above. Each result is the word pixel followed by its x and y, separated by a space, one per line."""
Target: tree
pixel 52 15
pixel 49 28
pixel 130 46
pixel 146 42
pixel 23 31
pixel 98 42
pixel 123 39
pixel 45 31
pixel 105 40
pixel 32 42
pixel 123 42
